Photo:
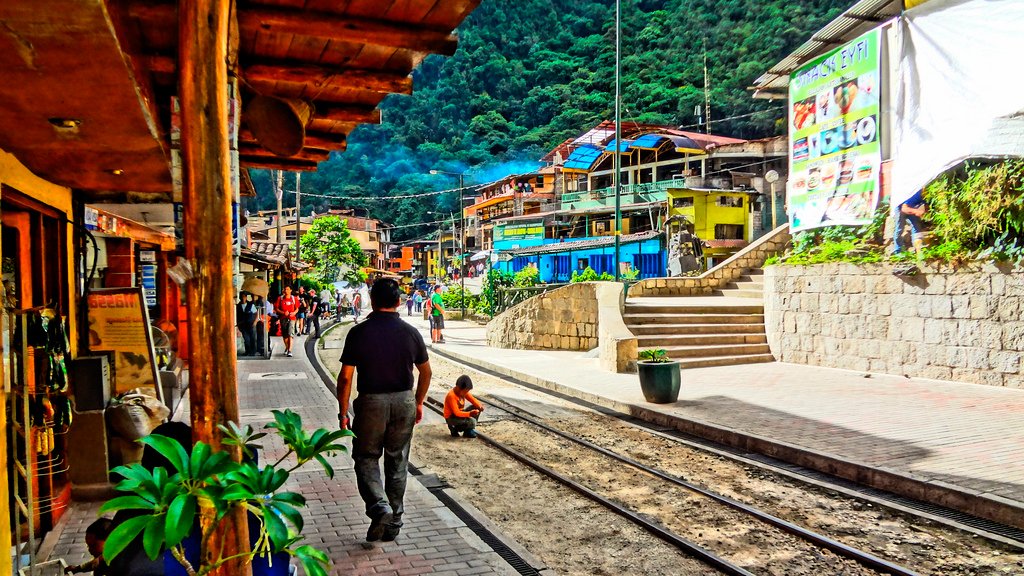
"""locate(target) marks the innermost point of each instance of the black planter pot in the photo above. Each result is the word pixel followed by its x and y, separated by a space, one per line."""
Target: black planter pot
pixel 659 381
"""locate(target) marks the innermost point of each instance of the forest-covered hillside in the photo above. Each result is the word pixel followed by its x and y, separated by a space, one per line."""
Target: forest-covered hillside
pixel 530 73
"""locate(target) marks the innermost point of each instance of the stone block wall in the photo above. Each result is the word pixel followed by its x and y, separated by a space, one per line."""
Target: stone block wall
pixel 753 256
pixel 961 324
pixel 562 319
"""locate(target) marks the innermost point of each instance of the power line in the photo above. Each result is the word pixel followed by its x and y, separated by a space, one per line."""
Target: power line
pixel 717 120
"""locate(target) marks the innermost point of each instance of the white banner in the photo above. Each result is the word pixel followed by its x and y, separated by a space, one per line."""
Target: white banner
pixel 960 91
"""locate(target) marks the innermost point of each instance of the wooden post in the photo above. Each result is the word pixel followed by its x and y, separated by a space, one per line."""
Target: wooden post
pixel 207 196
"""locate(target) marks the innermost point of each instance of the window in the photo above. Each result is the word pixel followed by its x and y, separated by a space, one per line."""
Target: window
pixel 540 181
pixel 730 201
pixel 728 232
pixel 289 234
pixel 685 202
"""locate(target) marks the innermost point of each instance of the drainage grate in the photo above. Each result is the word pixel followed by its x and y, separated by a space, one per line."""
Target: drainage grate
pixel 500 548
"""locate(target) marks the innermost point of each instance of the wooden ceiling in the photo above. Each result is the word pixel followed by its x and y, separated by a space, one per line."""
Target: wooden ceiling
pixel 111 65
pixel 341 56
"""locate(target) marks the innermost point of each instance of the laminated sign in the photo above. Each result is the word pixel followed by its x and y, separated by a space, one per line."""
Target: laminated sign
pixel 835 156
pixel 119 323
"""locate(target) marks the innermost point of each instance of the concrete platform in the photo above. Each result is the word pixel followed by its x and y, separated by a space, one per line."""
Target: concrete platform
pixel 954 444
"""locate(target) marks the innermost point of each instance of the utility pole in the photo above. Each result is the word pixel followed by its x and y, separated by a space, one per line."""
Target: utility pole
pixel 618 134
pixel 462 246
pixel 279 192
pixel 707 89
pixel 298 220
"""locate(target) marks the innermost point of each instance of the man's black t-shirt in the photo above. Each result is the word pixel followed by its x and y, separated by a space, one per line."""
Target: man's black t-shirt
pixel 383 349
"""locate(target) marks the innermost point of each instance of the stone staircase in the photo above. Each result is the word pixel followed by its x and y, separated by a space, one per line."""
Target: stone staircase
pixel 701 331
pixel 750 285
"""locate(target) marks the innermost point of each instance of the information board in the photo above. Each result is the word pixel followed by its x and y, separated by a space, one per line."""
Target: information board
pixel 119 323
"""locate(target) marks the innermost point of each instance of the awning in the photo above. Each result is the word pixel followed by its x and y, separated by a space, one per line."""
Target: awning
pixel 583 158
pixel 624 148
pixel 482 255
pixel 489 202
pixel 681 143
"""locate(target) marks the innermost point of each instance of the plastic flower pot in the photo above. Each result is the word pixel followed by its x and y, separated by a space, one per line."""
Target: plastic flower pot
pixel 659 381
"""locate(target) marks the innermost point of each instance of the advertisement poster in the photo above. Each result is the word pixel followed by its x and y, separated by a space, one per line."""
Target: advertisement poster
pixel 119 323
pixel 835 155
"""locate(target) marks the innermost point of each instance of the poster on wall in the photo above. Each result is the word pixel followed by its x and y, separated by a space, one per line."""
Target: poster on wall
pixel 119 323
pixel 835 155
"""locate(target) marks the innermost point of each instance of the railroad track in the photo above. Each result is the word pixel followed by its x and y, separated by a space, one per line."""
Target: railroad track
pixel 689 547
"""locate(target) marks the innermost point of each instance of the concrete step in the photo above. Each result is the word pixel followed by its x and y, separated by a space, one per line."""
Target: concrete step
pixel 683 308
pixel 643 319
pixel 715 351
pixel 667 340
pixel 694 329
pixel 738 293
pixel 725 361
pixel 754 272
pixel 747 284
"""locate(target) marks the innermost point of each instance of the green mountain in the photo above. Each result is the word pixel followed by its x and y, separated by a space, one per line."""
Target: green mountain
pixel 530 73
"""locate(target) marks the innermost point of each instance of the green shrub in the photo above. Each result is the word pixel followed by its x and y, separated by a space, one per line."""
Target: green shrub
pixel 589 275
pixel 528 276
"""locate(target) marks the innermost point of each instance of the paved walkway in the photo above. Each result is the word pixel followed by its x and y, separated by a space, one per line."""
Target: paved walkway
pixel 433 540
pixel 945 433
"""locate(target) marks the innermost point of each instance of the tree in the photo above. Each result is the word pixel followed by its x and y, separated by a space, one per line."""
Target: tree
pixel 332 251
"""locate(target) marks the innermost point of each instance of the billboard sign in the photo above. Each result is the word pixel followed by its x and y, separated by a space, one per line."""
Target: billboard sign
pixel 835 154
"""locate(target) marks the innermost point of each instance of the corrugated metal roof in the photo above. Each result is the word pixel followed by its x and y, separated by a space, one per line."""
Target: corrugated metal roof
pixel 858 19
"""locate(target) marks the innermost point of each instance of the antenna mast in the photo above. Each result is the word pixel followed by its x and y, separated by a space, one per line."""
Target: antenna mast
pixel 707 89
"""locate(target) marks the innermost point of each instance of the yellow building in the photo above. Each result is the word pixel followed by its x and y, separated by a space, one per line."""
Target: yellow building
pixel 723 219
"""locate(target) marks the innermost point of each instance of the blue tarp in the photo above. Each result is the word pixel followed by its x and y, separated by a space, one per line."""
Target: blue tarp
pixel 583 158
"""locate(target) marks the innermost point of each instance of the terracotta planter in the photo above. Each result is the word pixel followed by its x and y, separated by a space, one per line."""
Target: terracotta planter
pixel 659 381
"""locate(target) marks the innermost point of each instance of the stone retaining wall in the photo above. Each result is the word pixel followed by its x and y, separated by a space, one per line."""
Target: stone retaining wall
pixel 563 319
pixel 948 324
pixel 753 256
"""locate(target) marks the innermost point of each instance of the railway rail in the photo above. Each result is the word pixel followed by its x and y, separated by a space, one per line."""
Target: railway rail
pixel 689 547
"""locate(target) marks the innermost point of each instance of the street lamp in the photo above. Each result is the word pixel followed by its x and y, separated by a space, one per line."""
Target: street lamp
pixel 462 242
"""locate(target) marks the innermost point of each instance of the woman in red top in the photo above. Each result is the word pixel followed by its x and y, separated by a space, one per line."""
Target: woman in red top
pixel 287 307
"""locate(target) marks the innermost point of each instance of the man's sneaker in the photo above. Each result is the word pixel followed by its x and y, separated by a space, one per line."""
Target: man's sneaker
pixel 377 526
pixel 288 353
pixel 390 533
pixel 470 434
pixel 455 433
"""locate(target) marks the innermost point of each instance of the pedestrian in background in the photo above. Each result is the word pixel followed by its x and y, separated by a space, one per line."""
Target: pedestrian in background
pixel 314 314
pixel 436 316
pixel 409 302
pixel 419 300
pixel 287 307
pixel 384 349
pixel 357 306
pixel 246 313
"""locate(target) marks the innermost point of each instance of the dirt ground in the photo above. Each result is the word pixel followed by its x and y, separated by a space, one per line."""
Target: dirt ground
pixel 574 536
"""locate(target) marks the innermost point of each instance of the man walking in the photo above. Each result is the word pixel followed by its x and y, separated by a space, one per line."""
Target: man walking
pixel 314 314
pixel 287 307
pixel 384 349
pixel 436 316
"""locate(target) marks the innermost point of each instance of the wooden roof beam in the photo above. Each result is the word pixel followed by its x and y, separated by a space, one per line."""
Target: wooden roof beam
pixel 347 29
pixel 319 76
pixel 318 140
pixel 247 150
pixel 343 113
pixel 285 164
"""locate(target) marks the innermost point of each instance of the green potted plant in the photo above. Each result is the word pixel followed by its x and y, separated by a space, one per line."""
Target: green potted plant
pixel 659 376
pixel 167 503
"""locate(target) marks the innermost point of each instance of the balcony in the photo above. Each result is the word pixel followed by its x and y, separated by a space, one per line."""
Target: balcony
pixel 631 194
